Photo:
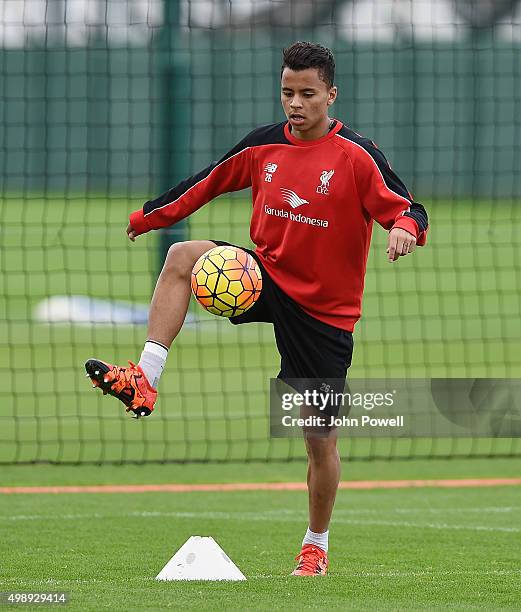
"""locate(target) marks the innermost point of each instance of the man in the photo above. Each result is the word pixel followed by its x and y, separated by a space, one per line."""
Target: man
pixel 317 186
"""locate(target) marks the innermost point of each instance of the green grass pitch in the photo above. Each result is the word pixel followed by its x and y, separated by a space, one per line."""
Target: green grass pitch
pixel 420 549
pixel 451 309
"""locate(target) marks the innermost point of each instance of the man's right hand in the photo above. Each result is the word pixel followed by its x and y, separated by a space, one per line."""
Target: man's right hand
pixel 131 233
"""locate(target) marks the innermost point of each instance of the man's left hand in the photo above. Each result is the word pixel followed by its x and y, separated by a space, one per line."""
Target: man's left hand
pixel 400 243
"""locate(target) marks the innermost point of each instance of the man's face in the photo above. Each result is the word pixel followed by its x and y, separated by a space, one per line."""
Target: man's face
pixel 306 98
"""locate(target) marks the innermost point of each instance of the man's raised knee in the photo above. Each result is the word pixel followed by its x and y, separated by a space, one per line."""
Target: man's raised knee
pixel 180 260
pixel 181 256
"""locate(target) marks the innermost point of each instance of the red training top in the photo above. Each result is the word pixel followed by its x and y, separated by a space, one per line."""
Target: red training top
pixel 313 208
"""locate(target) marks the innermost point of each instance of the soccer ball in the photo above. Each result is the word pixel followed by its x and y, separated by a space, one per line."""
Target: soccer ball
pixel 226 281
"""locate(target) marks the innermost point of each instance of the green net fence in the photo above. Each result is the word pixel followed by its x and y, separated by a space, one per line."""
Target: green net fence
pixel 105 104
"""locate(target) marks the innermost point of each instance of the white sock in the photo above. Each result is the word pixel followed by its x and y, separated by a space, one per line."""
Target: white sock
pixel 317 539
pixel 152 361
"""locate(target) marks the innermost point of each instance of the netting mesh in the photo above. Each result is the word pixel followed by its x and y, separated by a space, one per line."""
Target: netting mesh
pixel 105 104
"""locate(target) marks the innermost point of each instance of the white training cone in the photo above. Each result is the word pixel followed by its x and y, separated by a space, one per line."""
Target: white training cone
pixel 200 558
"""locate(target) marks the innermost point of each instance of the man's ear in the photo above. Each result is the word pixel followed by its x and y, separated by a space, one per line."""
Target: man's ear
pixel 333 91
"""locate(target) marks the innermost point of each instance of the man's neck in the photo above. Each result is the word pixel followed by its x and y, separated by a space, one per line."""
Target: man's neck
pixel 316 132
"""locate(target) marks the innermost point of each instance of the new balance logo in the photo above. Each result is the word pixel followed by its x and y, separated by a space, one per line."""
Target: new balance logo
pixel 270 169
pixel 291 198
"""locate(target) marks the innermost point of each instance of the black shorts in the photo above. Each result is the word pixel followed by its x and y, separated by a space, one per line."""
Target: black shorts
pixel 314 355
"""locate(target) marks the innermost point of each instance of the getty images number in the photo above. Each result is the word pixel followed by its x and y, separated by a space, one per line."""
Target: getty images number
pixel 35 598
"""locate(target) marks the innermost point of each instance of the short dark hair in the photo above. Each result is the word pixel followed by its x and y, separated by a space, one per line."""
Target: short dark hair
pixel 302 55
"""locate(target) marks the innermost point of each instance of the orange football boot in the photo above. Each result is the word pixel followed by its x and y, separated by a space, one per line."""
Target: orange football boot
pixel 312 561
pixel 129 385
